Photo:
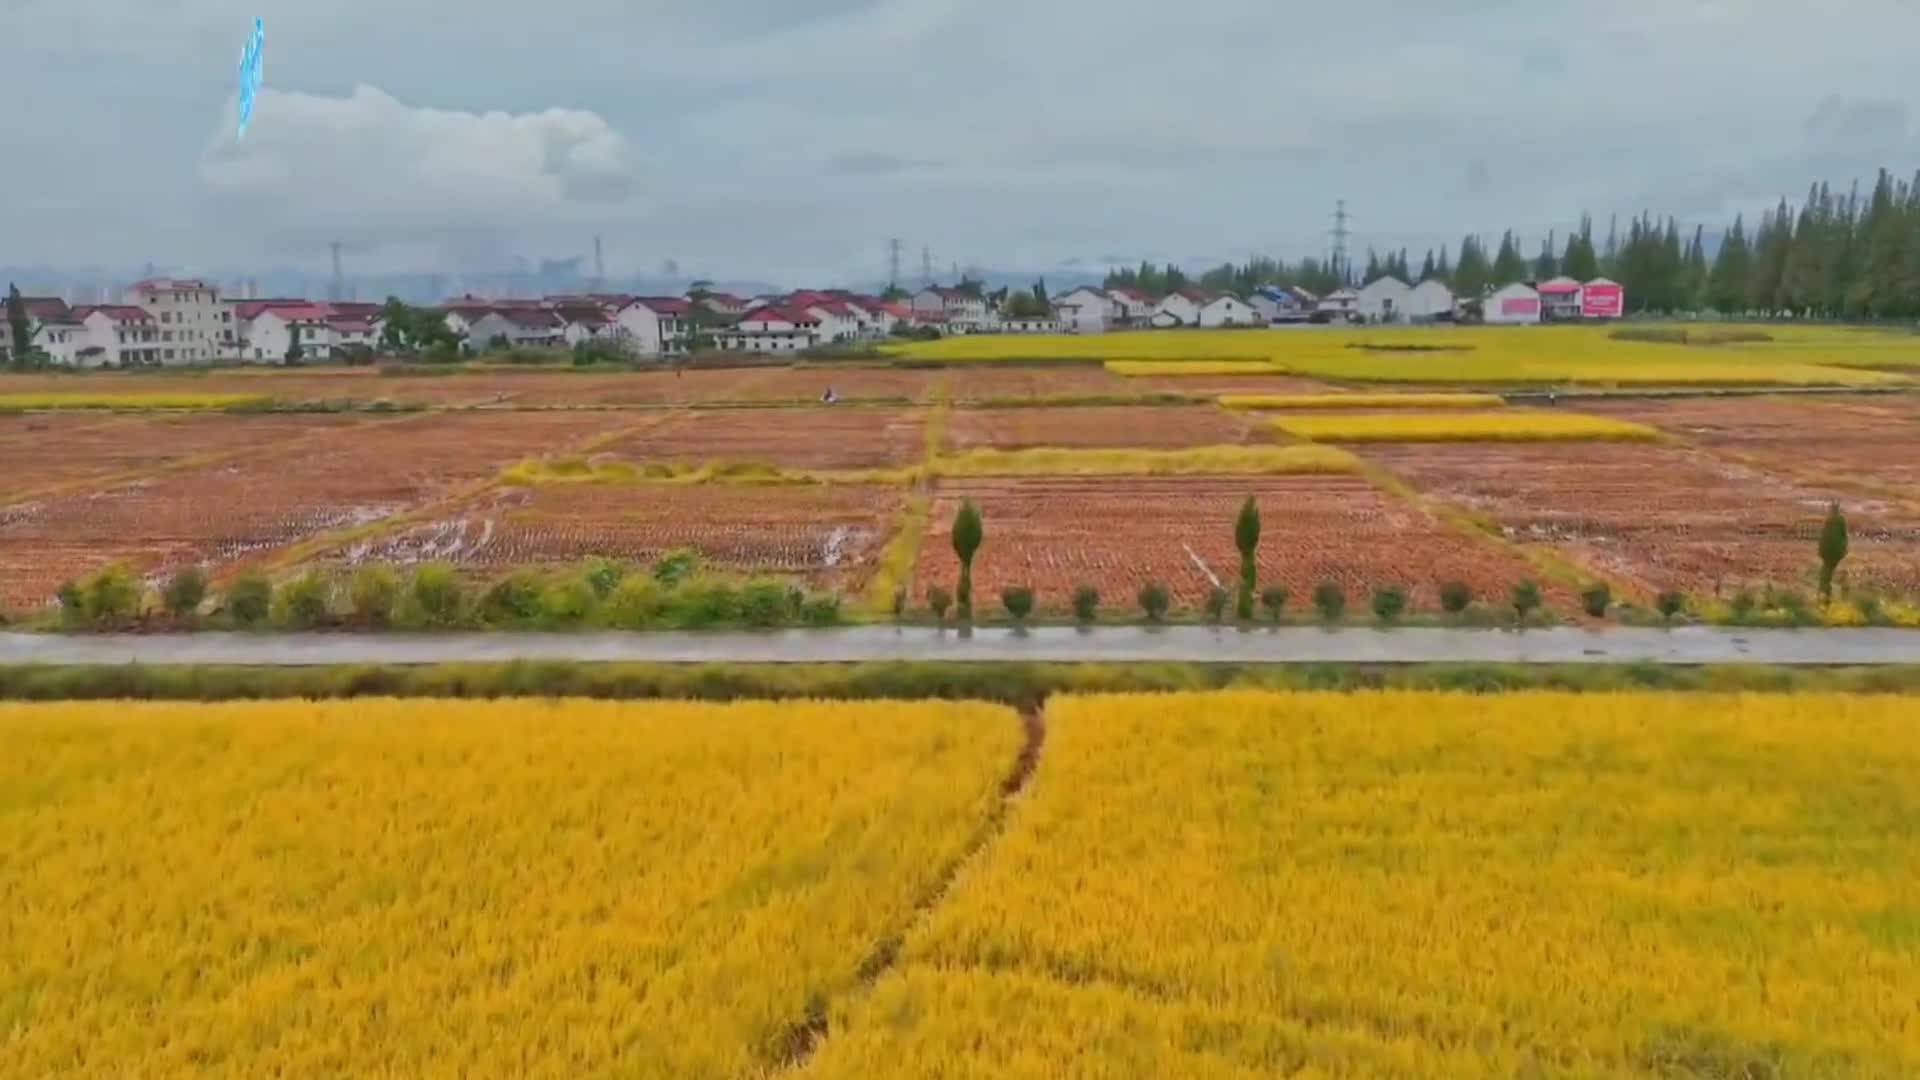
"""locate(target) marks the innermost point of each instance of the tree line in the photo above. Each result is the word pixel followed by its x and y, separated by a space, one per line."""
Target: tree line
pixel 1850 256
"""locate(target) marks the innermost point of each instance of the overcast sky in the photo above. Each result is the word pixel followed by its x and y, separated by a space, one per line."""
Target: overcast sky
pixel 789 139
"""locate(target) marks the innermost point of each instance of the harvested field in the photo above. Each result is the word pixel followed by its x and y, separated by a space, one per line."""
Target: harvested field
pixel 1874 441
pixel 347 473
pixel 1662 517
pixel 837 437
pixel 829 535
pixel 51 452
pixel 1116 534
pixel 1163 427
pixel 1221 385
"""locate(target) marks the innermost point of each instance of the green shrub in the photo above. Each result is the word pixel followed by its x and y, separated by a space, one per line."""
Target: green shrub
pixel 1596 598
pixel 1525 599
pixel 938 600
pixel 372 593
pixel 968 531
pixel 1018 600
pixel 704 602
pixel 304 602
pixel 250 599
pixel 1086 603
pixel 185 592
pixel 513 600
pixel 1154 600
pixel 1743 605
pixel 638 603
pixel 1274 599
pixel 1670 604
pixel 73 605
pixel 821 611
pixel 1389 603
pixel 569 602
pixel 435 596
pixel 111 596
pixel 1216 606
pixel 763 603
pixel 1330 600
pixel 604 575
pixel 676 566
pixel 1455 597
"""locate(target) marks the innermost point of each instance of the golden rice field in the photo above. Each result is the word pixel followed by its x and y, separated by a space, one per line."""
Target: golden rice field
pixel 130 402
pixel 1490 356
pixel 1247 885
pixel 528 889
pixel 1361 401
pixel 1463 427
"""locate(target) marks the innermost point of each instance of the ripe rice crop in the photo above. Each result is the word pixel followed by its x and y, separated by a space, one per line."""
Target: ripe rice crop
pixel 1197 460
pixel 30 401
pixel 1250 884
pixel 1472 356
pixel 1362 401
pixel 379 888
pixel 1141 369
pixel 1464 427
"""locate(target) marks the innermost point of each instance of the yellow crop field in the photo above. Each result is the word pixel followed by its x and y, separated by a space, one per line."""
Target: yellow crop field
pixel 1425 885
pixel 1483 356
pixel 25 401
pixel 1362 401
pixel 1192 461
pixel 1464 427
pixel 527 889
pixel 1147 369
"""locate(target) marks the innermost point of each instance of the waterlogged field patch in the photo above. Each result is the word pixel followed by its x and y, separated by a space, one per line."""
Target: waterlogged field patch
pixel 1241 885
pixel 1464 427
pixel 378 888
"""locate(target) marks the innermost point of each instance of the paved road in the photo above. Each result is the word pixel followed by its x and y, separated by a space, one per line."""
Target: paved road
pixel 1562 645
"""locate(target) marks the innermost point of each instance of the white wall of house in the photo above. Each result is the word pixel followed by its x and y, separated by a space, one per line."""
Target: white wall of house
pixel 122 341
pixel 835 326
pixel 62 342
pixel 1086 311
pixel 1430 300
pixel 1341 301
pixel 1030 326
pixel 1513 305
pixel 928 303
pixel 640 326
pixel 1131 306
pixel 1228 311
pixel 1179 309
pixel 272 331
pixel 1385 300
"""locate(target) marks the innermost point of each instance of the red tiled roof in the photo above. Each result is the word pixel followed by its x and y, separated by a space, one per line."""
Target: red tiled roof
pixel 44 308
pixel 297 312
pixel 358 309
pixel 898 311
pixel 351 325
pixel 781 314
pixel 116 312
pixel 1131 294
pixel 834 307
pixel 664 305
pixel 531 318
pixel 160 285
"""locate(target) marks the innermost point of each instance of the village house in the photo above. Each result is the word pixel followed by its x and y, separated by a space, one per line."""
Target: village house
pixel 1515 305
pixel 654 326
pixel 1227 309
pixel 959 310
pixel 1342 304
pixel 1559 300
pixel 120 335
pixel 771 329
pixel 1181 307
pixel 1282 304
pixel 195 326
pixel 1431 300
pixel 1086 310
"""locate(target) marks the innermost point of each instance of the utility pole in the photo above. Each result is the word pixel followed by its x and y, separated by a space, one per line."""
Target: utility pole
pixel 1340 235
pixel 337 291
pixel 599 265
pixel 893 264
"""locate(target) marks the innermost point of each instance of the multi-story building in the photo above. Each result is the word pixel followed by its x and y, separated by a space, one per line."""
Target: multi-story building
pixel 195 326
pixel 121 335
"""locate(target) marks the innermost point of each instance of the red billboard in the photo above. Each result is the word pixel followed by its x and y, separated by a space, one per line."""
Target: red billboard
pixel 1603 300
pixel 1520 305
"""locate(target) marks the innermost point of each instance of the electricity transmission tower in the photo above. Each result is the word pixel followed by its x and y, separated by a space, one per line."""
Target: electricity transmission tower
pixel 1340 235
pixel 893 264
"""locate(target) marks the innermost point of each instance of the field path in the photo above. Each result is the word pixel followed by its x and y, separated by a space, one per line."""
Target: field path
pixel 1175 644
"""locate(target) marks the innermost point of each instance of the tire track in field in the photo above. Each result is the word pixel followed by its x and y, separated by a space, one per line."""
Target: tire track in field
pixel 797 1045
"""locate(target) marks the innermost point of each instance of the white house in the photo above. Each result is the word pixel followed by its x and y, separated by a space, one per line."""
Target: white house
pixel 1384 300
pixel 839 321
pixel 653 325
pixel 1341 303
pixel 352 334
pixel 269 333
pixel 118 334
pixel 1132 305
pixel 961 311
pixel 195 327
pixel 523 328
pixel 1180 308
pixel 773 330
pixel 1228 310
pixel 1559 299
pixel 1516 304
pixel 62 337
pixel 583 322
pixel 1086 310
pixel 1029 325
pixel 1431 300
